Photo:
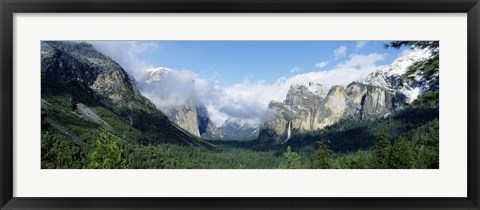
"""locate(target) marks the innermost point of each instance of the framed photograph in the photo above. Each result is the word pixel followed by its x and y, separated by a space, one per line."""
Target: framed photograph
pixel 239 105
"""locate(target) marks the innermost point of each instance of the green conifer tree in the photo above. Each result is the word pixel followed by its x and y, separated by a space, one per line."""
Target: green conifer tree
pixel 322 159
pixel 426 67
pixel 402 154
pixel 107 154
pixel 381 150
pixel 292 159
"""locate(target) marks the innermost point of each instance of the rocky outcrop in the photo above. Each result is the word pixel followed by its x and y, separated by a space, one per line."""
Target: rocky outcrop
pixel 155 74
pixel 205 126
pixel 185 116
pixel 89 77
pixel 355 100
pixel 274 130
pixel 90 115
pixel 392 77
pixel 378 95
pixel 299 111
pixel 212 132
pixel 335 106
pixel 304 96
pixel 190 115
pixel 367 101
pixel 80 65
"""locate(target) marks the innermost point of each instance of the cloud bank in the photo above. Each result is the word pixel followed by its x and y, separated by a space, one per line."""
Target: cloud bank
pixel 246 101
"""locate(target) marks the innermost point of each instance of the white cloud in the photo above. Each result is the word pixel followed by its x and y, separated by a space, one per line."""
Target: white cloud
pixel 176 88
pixel 322 64
pixel 357 60
pixel 361 44
pixel 246 101
pixel 295 70
pixel 340 52
pixel 127 54
pixel 355 68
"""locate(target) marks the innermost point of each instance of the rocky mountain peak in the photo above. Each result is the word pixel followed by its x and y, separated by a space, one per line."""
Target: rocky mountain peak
pixel 310 107
pixel 192 115
pixel 154 74
pixel 304 95
pixel 399 66
pixel 317 89
pixel 392 78
pixel 87 76
pixel 79 64
pixel 234 129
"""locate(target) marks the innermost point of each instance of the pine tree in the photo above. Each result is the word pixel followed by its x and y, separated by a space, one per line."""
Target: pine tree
pixel 402 154
pixel 381 150
pixel 426 67
pixel 420 44
pixel 428 146
pixel 59 152
pixel 107 154
pixel 292 159
pixel 322 159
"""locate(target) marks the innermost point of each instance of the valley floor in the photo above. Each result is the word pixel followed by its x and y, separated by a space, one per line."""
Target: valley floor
pixel 408 139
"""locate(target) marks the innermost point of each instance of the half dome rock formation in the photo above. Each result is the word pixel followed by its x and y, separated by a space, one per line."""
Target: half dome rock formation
pixel 187 112
pixel 185 116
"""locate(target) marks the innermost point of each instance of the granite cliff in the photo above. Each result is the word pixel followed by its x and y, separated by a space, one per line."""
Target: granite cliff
pixel 88 79
pixel 381 93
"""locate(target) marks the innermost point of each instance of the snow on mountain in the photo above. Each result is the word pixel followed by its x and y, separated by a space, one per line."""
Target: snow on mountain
pixel 310 107
pixel 317 89
pixel 154 74
pixel 391 77
pixel 233 129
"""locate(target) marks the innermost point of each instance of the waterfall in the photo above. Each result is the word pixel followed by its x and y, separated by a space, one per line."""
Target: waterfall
pixel 289 132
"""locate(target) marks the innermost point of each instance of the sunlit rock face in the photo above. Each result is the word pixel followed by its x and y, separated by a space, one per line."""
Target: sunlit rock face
pixel 91 78
pixel 80 65
pixel 381 93
pixel 298 112
pixel 185 116
pixel 190 115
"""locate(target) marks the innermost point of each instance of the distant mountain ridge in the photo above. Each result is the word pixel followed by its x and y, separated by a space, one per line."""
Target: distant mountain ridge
pixel 235 130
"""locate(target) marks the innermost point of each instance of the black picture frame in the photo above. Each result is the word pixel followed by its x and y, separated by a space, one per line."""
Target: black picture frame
pixel 10 7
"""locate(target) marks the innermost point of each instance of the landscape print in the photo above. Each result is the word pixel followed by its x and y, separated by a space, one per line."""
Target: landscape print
pixel 240 104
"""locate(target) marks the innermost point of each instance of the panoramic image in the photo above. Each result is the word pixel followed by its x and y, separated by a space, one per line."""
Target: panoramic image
pixel 240 104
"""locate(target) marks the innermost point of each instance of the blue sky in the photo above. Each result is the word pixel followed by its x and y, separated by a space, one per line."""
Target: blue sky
pixel 231 62
pixel 237 79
